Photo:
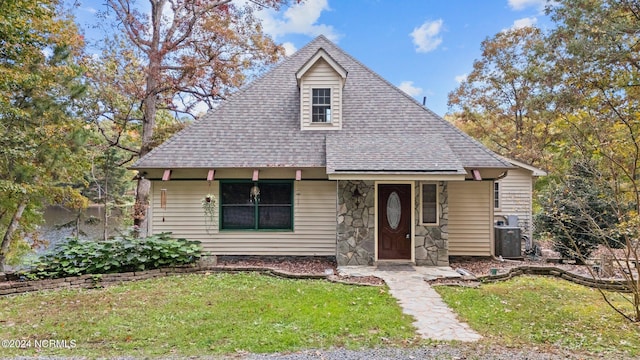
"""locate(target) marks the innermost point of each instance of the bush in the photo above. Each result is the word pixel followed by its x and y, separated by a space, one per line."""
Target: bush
pixel 123 254
pixel 579 213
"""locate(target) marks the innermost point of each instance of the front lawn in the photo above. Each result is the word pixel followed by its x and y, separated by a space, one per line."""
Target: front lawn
pixel 188 315
pixel 223 313
pixel 544 312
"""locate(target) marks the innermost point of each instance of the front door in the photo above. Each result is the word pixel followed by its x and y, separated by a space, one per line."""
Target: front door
pixel 394 222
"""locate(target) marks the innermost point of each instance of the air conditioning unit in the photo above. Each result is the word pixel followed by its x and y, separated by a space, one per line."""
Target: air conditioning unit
pixel 508 242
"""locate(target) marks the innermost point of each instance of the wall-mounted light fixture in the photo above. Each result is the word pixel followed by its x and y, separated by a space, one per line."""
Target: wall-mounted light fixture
pixel 357 196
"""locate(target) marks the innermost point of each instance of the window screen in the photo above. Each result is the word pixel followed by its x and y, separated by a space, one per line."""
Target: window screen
pixel 272 209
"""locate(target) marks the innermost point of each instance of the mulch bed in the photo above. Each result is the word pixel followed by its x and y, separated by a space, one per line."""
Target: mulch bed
pixel 475 266
pixel 298 265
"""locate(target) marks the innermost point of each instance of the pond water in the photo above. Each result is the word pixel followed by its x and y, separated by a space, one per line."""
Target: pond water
pixel 60 224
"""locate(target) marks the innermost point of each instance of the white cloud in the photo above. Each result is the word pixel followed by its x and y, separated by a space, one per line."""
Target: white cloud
pixel 426 37
pixel 524 22
pixel 90 10
pixel 523 4
pixel 299 18
pixel 289 48
pixel 407 86
pixel 460 78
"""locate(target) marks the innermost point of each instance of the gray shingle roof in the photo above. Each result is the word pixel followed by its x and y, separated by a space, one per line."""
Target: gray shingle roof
pixel 381 152
pixel 259 126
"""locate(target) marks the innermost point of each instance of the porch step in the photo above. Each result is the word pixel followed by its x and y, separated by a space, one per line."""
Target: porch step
pixel 394 265
pixel 393 262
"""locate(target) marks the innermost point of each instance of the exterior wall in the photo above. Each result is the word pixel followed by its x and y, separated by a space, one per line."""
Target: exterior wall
pixel 314 205
pixel 321 75
pixel 356 224
pixel 432 242
pixel 470 218
pixel 516 190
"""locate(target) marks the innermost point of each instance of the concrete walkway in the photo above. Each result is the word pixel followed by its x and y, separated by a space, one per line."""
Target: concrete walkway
pixel 434 319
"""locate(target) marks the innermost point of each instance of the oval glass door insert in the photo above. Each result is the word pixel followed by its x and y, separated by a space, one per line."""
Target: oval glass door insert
pixel 394 210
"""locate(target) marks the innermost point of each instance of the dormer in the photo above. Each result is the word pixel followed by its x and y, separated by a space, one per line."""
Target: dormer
pixel 321 80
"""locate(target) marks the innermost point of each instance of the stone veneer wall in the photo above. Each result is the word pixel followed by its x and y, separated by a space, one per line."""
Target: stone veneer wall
pixel 356 223
pixel 432 242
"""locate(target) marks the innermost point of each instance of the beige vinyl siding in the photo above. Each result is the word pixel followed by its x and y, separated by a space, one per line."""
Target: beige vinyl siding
pixel 515 197
pixel 314 221
pixel 321 76
pixel 470 218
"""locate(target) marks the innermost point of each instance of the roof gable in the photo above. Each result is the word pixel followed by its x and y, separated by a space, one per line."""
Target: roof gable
pixel 534 170
pixel 321 54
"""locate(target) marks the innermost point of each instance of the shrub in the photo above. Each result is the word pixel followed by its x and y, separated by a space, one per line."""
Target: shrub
pixel 580 213
pixel 77 257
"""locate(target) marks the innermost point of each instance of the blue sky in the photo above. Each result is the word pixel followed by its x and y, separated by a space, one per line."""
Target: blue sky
pixel 425 47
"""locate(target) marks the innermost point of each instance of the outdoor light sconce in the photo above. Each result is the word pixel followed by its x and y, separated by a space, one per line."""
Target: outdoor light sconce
pixel 357 196
pixel 254 194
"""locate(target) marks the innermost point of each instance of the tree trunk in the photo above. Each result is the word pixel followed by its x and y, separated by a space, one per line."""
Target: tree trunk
pixel 105 223
pixel 11 229
pixel 149 105
pixel 140 220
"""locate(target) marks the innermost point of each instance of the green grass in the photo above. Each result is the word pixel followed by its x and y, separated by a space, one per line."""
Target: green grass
pixel 200 315
pixel 541 311
pixel 204 315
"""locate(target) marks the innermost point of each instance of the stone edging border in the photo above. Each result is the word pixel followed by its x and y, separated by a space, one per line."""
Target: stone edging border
pixel 608 284
pixel 96 281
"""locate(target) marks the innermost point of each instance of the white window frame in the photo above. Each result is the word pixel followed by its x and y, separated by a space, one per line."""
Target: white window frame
pixel 327 114
pixel 437 204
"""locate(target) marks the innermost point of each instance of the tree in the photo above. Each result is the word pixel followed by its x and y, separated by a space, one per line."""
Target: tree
pixel 188 52
pixel 41 134
pixel 570 95
pixel 595 51
pixel 498 102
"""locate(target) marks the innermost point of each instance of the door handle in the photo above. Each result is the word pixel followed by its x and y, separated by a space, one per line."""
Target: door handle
pixel 408 236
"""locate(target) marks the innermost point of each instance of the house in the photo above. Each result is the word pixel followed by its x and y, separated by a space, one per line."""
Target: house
pixel 513 195
pixel 323 157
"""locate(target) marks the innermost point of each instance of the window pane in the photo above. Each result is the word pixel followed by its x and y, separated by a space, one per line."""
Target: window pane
pixel 429 193
pixel 235 193
pixel 496 195
pixel 275 193
pixel 429 203
pixel 274 217
pixel 321 114
pixel 321 97
pixel 238 217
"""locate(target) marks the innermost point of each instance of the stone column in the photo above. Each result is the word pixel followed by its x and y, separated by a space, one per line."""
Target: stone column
pixel 355 223
pixel 432 242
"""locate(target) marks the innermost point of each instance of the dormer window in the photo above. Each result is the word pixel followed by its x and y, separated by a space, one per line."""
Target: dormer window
pixel 321 106
pixel 321 81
